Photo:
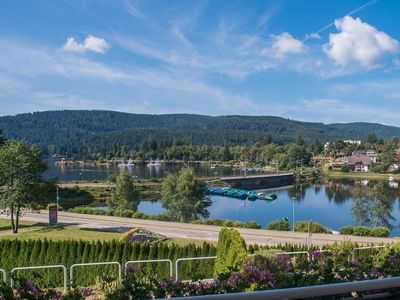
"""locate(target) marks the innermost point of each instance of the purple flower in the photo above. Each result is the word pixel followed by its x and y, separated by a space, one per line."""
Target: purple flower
pixel 85 291
pixel 32 288
pixel 286 261
pixel 316 255
pixel 132 268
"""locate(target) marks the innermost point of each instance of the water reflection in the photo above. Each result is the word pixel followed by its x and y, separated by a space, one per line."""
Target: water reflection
pixel 334 204
pixel 373 204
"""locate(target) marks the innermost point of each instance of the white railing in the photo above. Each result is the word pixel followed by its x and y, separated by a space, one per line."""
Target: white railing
pixel 189 259
pixel 170 262
pixel 44 267
pixel 309 291
pixel 4 275
pixel 366 248
pixel 171 271
pixel 71 269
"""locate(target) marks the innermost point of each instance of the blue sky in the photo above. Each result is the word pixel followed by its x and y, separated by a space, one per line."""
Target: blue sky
pixel 328 61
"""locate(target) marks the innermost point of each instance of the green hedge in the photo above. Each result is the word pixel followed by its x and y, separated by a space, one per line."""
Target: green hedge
pixel 229 223
pixel 119 212
pixel 281 225
pixel 302 226
pixel 347 230
pixel 365 231
pixel 380 232
pixel 17 253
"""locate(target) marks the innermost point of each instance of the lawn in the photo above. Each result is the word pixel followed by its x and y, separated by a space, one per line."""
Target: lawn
pixel 32 230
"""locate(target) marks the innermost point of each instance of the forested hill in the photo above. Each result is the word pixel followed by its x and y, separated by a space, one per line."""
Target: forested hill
pixel 68 132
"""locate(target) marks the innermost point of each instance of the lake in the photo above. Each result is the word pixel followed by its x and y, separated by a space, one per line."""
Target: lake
pixel 329 204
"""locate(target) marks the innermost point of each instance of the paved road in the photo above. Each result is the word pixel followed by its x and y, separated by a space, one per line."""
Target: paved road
pixel 200 232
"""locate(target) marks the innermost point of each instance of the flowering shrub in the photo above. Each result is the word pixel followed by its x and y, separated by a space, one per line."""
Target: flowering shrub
pixel 139 235
pixel 26 290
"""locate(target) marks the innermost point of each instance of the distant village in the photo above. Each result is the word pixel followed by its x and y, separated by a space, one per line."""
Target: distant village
pixel 360 160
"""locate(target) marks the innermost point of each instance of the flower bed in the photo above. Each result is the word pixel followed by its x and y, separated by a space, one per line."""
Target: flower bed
pixel 140 235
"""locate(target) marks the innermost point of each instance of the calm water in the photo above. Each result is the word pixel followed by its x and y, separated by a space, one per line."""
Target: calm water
pixel 329 203
pixel 101 173
pixel 331 206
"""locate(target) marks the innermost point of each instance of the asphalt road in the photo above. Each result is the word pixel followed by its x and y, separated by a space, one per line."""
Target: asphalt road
pixel 199 232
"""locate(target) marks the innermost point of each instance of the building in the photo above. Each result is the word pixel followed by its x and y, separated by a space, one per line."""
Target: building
pixel 359 161
pixel 358 142
pixel 372 155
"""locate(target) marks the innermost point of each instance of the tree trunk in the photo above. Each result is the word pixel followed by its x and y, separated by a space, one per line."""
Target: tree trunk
pixel 17 218
pixel 12 219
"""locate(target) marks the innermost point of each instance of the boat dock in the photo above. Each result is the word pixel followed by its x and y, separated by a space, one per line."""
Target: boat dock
pixel 263 181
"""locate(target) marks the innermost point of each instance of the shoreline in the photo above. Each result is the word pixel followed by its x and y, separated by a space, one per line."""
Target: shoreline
pixel 356 175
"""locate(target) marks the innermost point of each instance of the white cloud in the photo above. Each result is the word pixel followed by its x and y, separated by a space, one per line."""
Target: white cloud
pixel 91 43
pixel 283 45
pixel 313 35
pixel 333 109
pixel 359 42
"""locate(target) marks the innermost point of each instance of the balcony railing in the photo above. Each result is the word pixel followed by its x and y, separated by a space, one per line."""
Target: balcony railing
pixel 309 291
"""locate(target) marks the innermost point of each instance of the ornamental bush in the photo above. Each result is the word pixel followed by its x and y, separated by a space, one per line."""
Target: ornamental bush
pixel 348 230
pixel 302 226
pixel 380 232
pixel 231 250
pixel 281 225
pixel 361 231
pixel 365 231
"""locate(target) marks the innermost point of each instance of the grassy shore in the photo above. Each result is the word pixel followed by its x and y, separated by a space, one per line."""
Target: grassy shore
pixel 359 175
pixel 96 193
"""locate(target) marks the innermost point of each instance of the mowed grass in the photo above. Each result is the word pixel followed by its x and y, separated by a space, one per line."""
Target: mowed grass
pixel 32 230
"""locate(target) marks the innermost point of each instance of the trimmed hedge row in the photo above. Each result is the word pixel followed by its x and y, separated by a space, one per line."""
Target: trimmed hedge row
pixel 229 223
pixel 280 225
pixel 17 253
pixel 119 212
pixel 365 231
pixel 301 226
pixel 161 217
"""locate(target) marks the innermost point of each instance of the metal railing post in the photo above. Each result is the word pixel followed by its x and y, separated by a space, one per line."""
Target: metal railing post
pixel 171 271
pixel 71 269
pixel 188 259
pixel 4 274
pixel 43 267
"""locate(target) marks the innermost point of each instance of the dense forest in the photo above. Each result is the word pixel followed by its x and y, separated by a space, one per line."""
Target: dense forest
pixel 107 132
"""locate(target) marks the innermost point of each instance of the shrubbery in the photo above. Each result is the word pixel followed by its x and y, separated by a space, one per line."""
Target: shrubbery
pixel 281 225
pixel 302 226
pixel 365 231
pixel 380 232
pixel 347 230
pixel 17 253
pixel 344 168
pixel 231 250
pixel 119 212
pixel 361 231
pixel 229 223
